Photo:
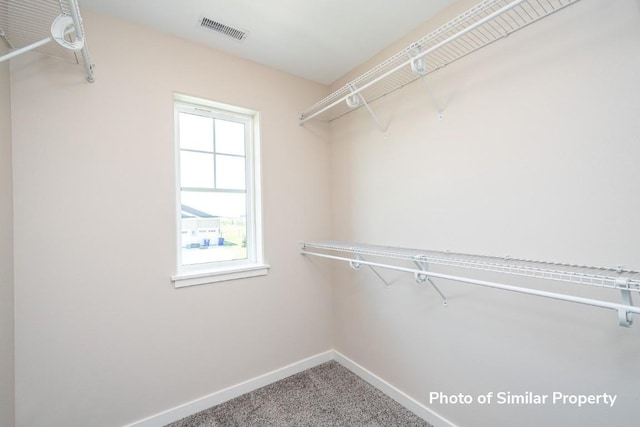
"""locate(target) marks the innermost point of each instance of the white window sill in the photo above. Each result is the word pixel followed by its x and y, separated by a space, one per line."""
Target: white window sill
pixel 219 275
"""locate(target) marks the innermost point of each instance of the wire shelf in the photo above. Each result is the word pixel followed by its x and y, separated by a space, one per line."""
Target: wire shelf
pixel 615 278
pixel 483 24
pixel 25 25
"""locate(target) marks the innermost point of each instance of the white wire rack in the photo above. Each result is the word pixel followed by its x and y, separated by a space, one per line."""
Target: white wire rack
pixel 30 25
pixel 483 24
pixel 623 280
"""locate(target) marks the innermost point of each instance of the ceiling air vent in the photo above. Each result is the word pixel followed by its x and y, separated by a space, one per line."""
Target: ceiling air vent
pixel 223 29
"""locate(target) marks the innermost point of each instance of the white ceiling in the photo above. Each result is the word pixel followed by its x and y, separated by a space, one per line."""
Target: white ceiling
pixel 317 39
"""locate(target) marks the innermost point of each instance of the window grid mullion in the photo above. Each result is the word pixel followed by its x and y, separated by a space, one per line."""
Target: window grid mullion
pixel 191 150
pixel 213 190
pixel 215 155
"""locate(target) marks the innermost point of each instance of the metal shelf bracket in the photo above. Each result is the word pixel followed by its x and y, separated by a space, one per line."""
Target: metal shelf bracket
pixel 424 277
pixel 419 68
pixel 4 39
pixel 354 100
pixel 625 318
pixel 355 264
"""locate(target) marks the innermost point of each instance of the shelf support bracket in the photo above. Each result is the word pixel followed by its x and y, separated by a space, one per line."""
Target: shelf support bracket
pixel 424 277
pixel 432 98
pixel 4 39
pixel 354 101
pixel 356 266
pixel 419 68
pixel 624 317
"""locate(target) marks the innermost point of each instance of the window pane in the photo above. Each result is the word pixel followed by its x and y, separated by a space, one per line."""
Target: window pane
pixel 216 204
pixel 230 172
pixel 196 170
pixel 214 227
pixel 229 137
pixel 196 132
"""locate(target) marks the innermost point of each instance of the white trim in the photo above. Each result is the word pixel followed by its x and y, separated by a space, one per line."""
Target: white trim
pixel 399 396
pixel 195 406
pixel 206 402
pixel 219 275
pixel 188 99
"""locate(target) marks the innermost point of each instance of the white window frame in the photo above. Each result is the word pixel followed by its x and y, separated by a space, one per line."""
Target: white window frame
pixel 253 265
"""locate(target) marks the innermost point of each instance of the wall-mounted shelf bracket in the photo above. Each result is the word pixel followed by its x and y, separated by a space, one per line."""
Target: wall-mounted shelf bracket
pixel 420 69
pixel 4 39
pixel 432 98
pixel 424 277
pixel 624 316
pixel 356 99
pixel 357 263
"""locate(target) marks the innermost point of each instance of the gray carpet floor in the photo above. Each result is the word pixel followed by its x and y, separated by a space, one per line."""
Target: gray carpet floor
pixel 327 395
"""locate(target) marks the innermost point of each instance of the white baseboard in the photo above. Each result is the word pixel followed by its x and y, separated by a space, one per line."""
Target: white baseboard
pixel 402 398
pixel 195 406
pixel 190 408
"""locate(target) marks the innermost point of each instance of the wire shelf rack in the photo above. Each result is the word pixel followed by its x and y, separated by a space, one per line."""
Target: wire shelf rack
pixel 483 24
pixel 615 277
pixel 623 280
pixel 26 25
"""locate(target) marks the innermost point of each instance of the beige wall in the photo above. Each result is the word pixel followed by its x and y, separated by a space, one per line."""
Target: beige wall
pixel 102 337
pixel 6 253
pixel 536 157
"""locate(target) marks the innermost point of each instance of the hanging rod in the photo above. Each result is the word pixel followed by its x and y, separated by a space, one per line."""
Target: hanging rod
pixel 483 24
pixel 623 280
pixel 50 27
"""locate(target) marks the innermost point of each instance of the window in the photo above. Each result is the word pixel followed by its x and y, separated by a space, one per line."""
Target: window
pixel 218 197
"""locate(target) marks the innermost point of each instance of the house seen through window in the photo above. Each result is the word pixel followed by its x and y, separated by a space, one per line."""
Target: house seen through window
pixel 217 186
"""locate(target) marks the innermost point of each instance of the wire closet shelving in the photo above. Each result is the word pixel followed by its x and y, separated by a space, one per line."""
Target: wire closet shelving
pixel 483 24
pixel 616 278
pixel 49 27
